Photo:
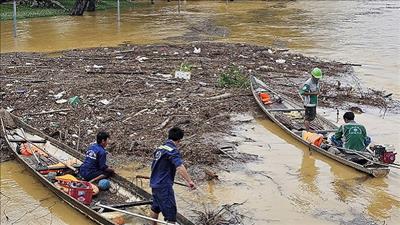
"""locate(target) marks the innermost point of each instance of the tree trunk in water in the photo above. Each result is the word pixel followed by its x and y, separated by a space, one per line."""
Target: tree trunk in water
pixel 91 6
pixel 79 7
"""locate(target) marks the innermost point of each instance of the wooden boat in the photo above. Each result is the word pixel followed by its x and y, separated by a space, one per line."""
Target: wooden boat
pixel 122 194
pixel 290 117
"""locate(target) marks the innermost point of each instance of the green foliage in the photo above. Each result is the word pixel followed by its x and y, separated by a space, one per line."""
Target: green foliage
pixel 185 67
pixel 25 11
pixel 233 77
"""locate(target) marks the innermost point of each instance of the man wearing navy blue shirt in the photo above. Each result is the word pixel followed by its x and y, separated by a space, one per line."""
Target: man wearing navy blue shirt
pixel 94 167
pixel 167 161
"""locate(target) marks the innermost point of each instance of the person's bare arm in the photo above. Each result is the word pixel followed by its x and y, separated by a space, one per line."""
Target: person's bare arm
pixel 185 175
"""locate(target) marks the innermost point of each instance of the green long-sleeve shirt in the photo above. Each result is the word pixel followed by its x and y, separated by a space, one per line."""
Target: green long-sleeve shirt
pixel 311 85
pixel 354 135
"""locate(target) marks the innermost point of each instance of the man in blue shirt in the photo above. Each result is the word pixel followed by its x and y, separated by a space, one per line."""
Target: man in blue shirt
pixel 94 167
pixel 167 161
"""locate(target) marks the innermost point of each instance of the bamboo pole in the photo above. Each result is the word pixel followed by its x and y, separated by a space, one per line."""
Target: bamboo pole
pixel 133 214
pixel 47 112
pixel 118 12
pixel 148 178
pixel 285 110
pixel 15 18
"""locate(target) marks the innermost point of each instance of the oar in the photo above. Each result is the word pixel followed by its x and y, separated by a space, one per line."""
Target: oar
pixel 133 214
pixel 175 182
pixel 70 167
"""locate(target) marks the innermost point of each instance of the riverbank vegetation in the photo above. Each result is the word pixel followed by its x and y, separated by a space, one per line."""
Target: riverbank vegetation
pixel 25 10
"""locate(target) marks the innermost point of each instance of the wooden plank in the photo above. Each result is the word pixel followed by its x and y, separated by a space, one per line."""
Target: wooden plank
pixel 298 133
pixel 28 140
pixel 325 131
pixel 285 110
pixel 48 112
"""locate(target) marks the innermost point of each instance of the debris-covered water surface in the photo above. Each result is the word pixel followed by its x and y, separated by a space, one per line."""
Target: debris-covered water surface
pixel 132 92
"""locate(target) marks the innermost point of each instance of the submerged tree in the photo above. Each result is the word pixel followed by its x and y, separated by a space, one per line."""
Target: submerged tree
pixel 91 6
pixel 82 5
pixel 79 7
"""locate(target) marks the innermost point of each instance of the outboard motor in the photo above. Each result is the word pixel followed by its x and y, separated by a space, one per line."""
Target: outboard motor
pixel 389 157
pixel 383 155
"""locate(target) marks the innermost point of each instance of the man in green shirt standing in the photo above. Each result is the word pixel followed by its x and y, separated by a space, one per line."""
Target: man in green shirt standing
pixel 354 134
pixel 310 92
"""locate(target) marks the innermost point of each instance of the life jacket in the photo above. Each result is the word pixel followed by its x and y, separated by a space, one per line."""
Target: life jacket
pixel 313 138
pixel 66 178
pixel 265 98
pixel 25 150
pixel 28 151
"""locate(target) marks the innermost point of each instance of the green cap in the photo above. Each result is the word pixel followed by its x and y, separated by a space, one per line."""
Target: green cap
pixel 317 73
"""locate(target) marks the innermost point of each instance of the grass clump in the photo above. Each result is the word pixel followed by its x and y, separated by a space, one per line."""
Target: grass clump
pixel 233 77
pixel 185 67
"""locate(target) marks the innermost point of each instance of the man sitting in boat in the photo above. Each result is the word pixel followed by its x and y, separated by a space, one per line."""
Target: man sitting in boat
pixel 94 167
pixel 354 134
pixel 310 92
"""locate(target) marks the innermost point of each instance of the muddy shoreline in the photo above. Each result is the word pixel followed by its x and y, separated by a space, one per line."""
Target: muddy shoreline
pixel 5 152
pixel 131 91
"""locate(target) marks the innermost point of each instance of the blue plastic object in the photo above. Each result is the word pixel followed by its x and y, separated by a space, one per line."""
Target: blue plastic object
pixel 104 184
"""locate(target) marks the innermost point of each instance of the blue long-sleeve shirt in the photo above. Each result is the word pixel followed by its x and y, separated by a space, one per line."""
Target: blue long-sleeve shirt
pixel 166 159
pixel 95 161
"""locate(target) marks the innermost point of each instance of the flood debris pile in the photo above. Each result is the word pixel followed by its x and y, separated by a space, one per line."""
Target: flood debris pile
pixel 227 214
pixel 132 92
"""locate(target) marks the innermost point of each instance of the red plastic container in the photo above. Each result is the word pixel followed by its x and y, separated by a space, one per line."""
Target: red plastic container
pixel 81 191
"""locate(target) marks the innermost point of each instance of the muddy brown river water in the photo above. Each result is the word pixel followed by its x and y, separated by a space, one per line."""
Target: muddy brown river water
pixel 305 187
pixel 24 200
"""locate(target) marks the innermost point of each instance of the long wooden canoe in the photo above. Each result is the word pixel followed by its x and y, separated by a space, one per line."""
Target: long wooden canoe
pixel 122 192
pixel 290 116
